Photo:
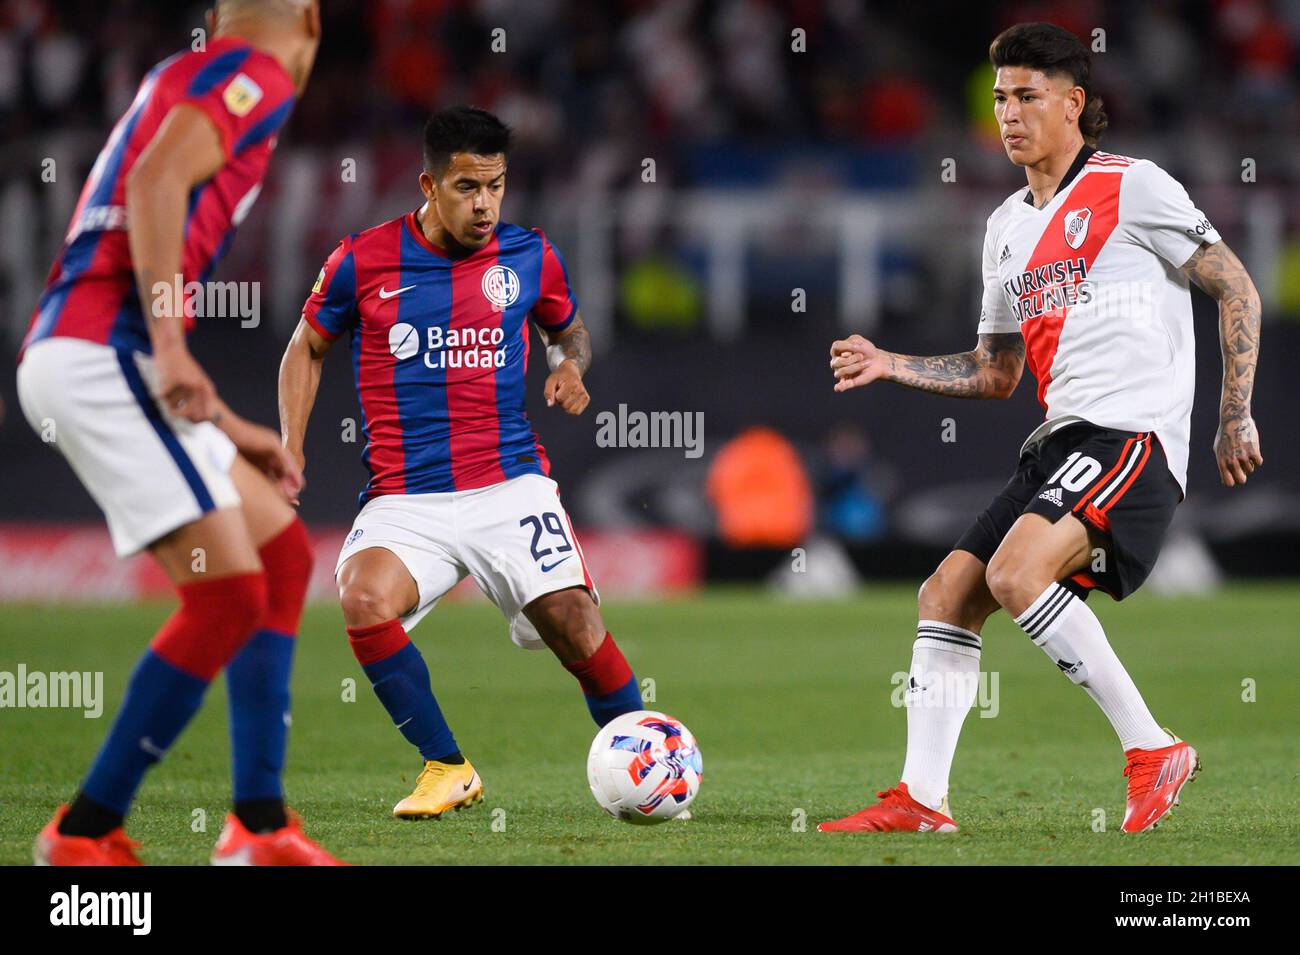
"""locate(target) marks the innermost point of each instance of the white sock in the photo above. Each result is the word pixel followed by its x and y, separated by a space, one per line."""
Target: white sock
pixel 1071 636
pixel 942 685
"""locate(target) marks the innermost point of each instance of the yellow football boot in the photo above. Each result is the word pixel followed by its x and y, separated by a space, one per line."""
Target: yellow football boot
pixel 441 786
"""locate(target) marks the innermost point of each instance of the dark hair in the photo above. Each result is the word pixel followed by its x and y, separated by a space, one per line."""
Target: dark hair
pixel 462 129
pixel 1053 49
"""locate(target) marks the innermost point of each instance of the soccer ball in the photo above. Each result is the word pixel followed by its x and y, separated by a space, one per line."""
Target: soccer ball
pixel 644 767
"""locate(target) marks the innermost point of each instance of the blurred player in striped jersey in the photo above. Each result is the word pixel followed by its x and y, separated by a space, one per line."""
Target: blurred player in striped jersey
pixel 436 305
pixel 1086 274
pixel 105 366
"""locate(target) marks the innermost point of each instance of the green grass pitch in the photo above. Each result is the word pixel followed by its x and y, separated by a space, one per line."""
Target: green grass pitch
pixel 790 701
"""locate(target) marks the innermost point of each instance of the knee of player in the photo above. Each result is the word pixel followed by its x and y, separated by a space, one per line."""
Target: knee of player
pixel 1010 584
pixel 940 598
pixel 295 555
pixel 243 603
pixel 288 561
pixel 363 605
pixel 570 617
pixel 934 601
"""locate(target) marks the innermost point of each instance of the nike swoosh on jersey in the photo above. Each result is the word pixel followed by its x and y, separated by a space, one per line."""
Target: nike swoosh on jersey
pixel 384 293
pixel 546 569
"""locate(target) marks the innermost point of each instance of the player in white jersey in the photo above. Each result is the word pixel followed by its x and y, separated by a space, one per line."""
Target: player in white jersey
pixel 1086 274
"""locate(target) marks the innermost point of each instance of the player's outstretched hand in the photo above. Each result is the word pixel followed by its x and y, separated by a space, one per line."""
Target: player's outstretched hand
pixel 184 387
pixel 856 362
pixel 564 387
pixel 1236 449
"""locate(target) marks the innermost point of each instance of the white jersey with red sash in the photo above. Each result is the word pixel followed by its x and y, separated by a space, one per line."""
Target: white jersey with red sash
pixel 1092 281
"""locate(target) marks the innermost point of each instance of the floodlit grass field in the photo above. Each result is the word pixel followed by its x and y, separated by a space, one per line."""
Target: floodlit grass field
pixel 791 703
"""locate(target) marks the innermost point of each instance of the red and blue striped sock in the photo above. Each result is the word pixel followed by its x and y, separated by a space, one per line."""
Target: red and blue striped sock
pixel 257 683
pixel 400 679
pixel 608 683
pixel 215 618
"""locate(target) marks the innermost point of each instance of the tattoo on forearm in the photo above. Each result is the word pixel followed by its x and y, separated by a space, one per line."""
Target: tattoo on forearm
pixel 992 370
pixel 574 344
pixel 1219 273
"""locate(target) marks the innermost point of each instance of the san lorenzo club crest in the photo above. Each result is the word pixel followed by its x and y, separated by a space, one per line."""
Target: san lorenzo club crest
pixel 501 286
pixel 1076 226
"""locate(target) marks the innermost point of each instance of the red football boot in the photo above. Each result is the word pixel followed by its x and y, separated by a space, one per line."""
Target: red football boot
pixel 54 848
pixel 1155 779
pixel 287 845
pixel 897 811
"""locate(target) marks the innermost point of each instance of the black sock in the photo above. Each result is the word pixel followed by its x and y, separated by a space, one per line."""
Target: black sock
pixel 455 759
pixel 261 815
pixel 85 817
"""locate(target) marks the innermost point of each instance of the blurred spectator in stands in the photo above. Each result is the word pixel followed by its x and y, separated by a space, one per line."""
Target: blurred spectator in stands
pixel 761 491
pixel 895 109
pixel 852 487
pixel 1263 56
pixel 657 293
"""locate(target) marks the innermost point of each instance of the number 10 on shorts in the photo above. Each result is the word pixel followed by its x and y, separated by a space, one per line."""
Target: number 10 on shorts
pixel 1076 472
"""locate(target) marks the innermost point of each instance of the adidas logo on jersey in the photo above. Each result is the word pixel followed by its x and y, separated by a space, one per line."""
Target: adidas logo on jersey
pixel 1006 254
pixel 1052 495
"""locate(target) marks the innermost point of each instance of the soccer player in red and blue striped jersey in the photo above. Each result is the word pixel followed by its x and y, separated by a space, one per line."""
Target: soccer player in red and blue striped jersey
pixel 176 472
pixel 436 305
pixel 245 95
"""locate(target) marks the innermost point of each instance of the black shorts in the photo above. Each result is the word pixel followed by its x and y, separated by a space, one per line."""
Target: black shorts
pixel 1116 482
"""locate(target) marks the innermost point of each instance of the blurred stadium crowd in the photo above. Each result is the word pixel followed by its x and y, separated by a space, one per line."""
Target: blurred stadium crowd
pixel 661 76
pixel 803 97
pixel 798 143
pixel 677 72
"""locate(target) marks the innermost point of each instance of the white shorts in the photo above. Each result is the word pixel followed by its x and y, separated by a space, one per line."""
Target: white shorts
pixel 513 537
pixel 148 471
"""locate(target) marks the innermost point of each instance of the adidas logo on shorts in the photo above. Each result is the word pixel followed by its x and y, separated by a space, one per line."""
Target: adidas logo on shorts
pixel 1052 494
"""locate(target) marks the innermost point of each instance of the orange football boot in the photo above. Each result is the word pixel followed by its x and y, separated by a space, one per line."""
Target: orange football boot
pixel 1155 779
pixel 897 811
pixel 54 848
pixel 287 845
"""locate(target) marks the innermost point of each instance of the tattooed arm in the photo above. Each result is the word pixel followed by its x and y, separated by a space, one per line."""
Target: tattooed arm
pixel 1220 274
pixel 991 370
pixel 568 353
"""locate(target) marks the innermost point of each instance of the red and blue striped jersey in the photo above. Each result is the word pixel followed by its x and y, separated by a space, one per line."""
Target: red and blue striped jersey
pixel 440 351
pixel 91 291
